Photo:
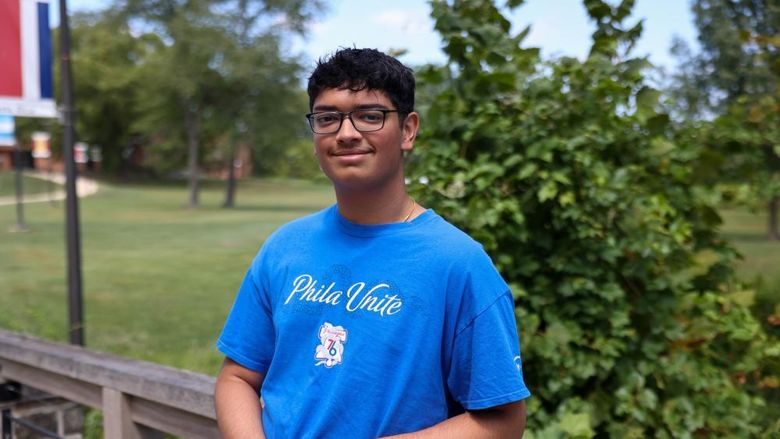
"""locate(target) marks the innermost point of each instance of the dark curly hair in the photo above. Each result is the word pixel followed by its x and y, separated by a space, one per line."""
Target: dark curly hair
pixel 365 69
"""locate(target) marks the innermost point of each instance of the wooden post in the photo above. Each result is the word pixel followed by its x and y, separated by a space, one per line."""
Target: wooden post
pixel 6 428
pixel 116 416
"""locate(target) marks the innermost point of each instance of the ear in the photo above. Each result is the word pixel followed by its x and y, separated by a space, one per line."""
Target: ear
pixel 409 131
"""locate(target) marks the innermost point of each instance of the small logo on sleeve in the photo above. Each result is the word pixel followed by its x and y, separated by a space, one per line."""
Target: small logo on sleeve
pixel 331 349
pixel 519 364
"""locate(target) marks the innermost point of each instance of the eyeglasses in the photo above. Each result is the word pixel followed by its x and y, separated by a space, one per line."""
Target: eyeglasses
pixel 365 121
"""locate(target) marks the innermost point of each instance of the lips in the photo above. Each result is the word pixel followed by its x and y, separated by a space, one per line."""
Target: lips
pixel 350 152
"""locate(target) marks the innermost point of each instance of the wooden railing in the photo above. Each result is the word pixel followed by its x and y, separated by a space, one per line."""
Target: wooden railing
pixel 131 393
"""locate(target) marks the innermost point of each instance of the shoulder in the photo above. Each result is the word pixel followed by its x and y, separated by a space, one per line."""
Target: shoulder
pixel 453 244
pixel 299 228
pixel 467 264
pixel 291 236
pixel 473 281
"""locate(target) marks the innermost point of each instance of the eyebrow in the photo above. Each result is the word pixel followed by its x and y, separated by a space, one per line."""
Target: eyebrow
pixel 375 106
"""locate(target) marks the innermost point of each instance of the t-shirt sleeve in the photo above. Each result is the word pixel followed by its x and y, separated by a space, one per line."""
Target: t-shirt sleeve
pixel 486 369
pixel 248 335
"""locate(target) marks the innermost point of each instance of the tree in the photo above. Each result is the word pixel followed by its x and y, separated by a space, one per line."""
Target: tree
pixel 738 53
pixel 181 88
pixel 567 173
pixel 106 57
pixel 196 77
pixel 735 79
pixel 260 104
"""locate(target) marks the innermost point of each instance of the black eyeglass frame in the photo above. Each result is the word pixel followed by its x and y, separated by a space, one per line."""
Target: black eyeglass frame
pixel 348 115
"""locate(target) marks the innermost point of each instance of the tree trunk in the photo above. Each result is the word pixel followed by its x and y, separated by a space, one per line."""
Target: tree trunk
pixel 191 122
pixel 772 231
pixel 230 188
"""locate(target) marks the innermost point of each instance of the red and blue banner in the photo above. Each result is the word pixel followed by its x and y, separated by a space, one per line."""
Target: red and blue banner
pixel 26 59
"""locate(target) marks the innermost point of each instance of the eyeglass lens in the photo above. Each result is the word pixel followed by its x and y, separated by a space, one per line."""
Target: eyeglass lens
pixel 362 120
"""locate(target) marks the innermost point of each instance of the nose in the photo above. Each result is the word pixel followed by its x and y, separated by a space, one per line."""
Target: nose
pixel 347 133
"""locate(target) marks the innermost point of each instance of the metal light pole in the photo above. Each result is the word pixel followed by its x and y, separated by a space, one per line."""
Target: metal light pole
pixel 75 304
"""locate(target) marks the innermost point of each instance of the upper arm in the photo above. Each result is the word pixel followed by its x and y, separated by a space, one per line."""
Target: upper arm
pixel 508 417
pixel 236 401
pixel 515 410
pixel 232 371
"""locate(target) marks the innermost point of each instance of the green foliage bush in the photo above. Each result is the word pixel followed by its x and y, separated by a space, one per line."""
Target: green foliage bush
pixel 630 318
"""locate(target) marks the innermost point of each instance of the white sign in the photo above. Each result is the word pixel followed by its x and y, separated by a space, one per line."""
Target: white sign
pixel 80 152
pixel 41 145
pixel 28 108
pixel 7 130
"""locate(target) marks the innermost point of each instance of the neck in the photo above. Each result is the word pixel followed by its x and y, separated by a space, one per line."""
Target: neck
pixel 370 207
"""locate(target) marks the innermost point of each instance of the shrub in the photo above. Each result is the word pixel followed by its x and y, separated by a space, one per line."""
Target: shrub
pixel 630 318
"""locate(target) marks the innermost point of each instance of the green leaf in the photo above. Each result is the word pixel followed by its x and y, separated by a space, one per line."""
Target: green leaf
pixel 647 100
pixel 577 425
pixel 558 333
pixel 527 170
pixel 745 298
pixel 548 191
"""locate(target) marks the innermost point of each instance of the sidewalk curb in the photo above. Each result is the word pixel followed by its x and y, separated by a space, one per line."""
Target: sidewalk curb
pixel 84 187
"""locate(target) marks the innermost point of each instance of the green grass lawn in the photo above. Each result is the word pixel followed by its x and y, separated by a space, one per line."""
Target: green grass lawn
pixel 159 278
pixel 760 265
pixel 747 231
pixel 30 185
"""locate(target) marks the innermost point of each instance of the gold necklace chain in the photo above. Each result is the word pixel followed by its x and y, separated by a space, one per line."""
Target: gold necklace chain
pixel 408 215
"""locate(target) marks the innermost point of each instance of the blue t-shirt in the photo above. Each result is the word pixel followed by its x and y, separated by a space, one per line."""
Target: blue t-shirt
pixel 371 330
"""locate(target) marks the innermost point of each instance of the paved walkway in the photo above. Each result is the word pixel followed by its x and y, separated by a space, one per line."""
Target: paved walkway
pixel 84 188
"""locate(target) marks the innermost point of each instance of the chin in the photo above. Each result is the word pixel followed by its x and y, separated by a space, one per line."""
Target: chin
pixel 351 182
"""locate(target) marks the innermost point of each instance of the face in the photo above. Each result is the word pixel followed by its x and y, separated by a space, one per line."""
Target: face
pixel 363 161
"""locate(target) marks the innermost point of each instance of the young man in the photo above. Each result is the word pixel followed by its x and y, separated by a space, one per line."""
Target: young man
pixel 374 317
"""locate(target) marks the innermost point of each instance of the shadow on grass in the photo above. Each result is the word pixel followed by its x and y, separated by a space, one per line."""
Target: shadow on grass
pixel 747 237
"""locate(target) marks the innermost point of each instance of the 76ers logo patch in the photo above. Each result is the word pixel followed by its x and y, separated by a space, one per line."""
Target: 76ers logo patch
pixel 331 348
